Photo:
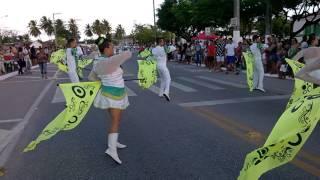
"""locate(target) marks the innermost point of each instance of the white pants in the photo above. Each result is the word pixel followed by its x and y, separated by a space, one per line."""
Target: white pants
pixel 74 78
pixel 258 74
pixel 165 80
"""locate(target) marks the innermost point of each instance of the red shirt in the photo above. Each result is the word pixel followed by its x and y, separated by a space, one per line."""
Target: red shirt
pixel 212 50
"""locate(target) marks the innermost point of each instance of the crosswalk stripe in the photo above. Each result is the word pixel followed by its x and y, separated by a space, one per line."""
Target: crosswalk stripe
pixel 232 101
pixel 3 135
pixel 182 87
pixel 10 120
pixel 201 83
pixel 154 89
pixel 130 92
pixel 222 82
pixel 58 96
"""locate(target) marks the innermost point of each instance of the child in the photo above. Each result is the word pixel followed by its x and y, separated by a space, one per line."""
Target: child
pixel 283 70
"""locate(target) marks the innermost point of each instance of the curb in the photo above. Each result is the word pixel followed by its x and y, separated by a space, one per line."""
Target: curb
pixel 9 75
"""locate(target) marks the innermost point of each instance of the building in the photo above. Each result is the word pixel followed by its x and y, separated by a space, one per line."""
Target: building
pixel 315 28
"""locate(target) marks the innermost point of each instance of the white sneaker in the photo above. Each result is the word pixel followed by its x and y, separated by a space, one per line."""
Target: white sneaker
pixel 262 90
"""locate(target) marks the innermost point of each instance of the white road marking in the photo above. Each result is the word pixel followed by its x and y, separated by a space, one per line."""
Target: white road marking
pixel 58 96
pixel 201 83
pixel 224 82
pixel 10 121
pixel 4 134
pixel 7 146
pixel 182 87
pixel 130 92
pixel 232 101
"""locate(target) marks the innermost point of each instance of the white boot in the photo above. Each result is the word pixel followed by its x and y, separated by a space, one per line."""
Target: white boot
pixel 112 147
pixel 121 146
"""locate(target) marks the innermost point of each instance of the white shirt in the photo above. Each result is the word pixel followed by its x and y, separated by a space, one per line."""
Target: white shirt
pixel 230 49
pixel 160 54
pixel 71 62
pixel 255 51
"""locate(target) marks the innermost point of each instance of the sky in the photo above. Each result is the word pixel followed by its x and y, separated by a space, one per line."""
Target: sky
pixel 124 12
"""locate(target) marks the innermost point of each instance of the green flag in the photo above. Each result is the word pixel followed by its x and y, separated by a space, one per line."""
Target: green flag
pixel 249 58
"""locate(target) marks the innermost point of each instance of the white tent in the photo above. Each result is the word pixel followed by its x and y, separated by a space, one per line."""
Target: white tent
pixel 36 44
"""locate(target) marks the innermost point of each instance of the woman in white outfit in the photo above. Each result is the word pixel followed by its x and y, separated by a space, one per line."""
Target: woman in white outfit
pixel 72 58
pixel 311 71
pixel 165 80
pixel 258 65
pixel 112 96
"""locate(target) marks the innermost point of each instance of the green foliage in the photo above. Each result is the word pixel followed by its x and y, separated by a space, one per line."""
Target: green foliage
pixel 33 28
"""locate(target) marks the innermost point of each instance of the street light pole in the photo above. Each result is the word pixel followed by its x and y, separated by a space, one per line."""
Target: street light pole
pixel 154 22
pixel 236 29
pixel 54 29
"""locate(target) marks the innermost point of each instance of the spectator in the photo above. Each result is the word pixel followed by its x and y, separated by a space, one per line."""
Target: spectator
pixel 230 53
pixel 188 54
pixel 21 62
pixel 304 43
pixel 42 59
pixel 2 67
pixel 33 53
pixel 27 59
pixel 220 54
pixel 198 54
pixel 211 55
pixel 294 48
pixel 239 58
pixel 273 56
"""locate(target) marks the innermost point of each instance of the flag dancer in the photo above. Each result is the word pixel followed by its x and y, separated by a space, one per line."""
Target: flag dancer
pixel 160 54
pixel 258 66
pixel 72 57
pixel 112 95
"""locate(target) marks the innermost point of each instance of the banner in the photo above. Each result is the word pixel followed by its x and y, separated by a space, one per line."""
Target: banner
pixel 249 58
pixel 286 138
pixel 147 73
pixel 79 98
pixel 59 58
pixel 301 87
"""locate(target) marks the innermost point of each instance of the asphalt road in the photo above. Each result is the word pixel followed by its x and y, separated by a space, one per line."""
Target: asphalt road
pixel 212 122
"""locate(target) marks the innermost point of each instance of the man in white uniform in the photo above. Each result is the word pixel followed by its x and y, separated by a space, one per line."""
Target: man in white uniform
pixel 258 66
pixel 165 79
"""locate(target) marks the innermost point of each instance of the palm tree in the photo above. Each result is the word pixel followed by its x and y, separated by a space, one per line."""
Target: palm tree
pixel 61 30
pixel 106 27
pixel 88 31
pixel 47 25
pixel 97 28
pixel 120 32
pixel 73 28
pixel 33 29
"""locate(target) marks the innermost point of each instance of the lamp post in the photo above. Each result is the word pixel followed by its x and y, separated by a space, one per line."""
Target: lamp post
pixel 54 28
pixel 154 22
pixel 236 28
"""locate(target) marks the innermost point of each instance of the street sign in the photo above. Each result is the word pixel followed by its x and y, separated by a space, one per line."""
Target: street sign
pixel 234 22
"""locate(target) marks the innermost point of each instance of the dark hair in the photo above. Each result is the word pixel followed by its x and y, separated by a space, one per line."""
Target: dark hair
pixel 102 43
pixel 20 49
pixel 159 39
pixel 255 37
pixel 312 37
pixel 70 41
pixel 305 38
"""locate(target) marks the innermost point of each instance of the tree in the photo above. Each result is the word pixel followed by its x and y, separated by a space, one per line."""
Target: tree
pixel 106 27
pixel 47 25
pixel 33 29
pixel 61 31
pixel 120 32
pixel 88 31
pixel 97 27
pixel 73 29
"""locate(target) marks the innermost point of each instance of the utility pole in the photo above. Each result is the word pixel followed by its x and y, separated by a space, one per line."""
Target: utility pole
pixel 154 22
pixel 236 28
pixel 268 17
pixel 54 29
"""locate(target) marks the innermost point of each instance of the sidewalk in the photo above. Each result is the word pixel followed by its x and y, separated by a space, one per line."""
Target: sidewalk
pixel 12 74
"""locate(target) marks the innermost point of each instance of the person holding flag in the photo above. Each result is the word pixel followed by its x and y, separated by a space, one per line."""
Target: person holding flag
pixel 72 58
pixel 161 56
pixel 112 96
pixel 258 66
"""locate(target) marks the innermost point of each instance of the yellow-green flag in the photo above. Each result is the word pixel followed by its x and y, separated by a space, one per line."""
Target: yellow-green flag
pixel 300 87
pixel 147 73
pixel 59 58
pixel 79 98
pixel 82 63
pixel 286 139
pixel 145 53
pixel 249 58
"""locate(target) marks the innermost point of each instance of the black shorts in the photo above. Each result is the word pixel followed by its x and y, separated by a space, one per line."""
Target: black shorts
pixel 210 58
